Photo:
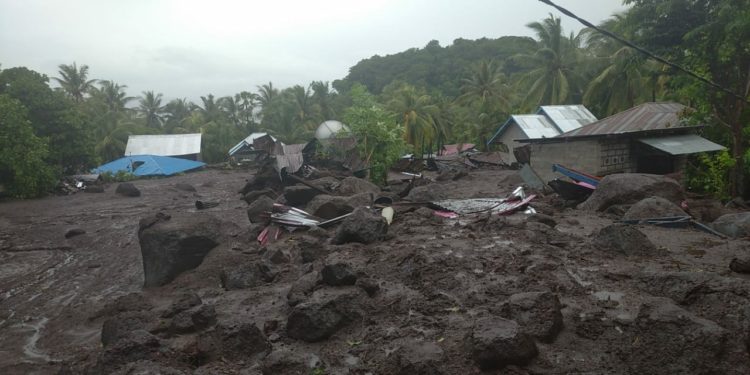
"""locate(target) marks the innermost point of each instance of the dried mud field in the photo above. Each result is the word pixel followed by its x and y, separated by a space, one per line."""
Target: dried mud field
pixel 515 294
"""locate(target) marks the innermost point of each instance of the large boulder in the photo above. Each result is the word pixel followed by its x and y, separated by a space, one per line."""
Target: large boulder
pixel 127 189
pixel 324 313
pixel 427 193
pixel 354 185
pixel 362 226
pixel 329 206
pixel 170 246
pixel 299 195
pixel 258 209
pixel 653 207
pixel 233 341
pixel 538 313
pixel 496 342
pixel 667 339
pixel 733 225
pixel 121 325
pixel 629 188
pixel 626 240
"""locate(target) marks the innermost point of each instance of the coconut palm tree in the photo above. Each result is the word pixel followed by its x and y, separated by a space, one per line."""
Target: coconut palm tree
pixel 415 111
pixel 486 85
pixel 552 78
pixel 73 81
pixel 322 96
pixel 149 106
pixel 176 114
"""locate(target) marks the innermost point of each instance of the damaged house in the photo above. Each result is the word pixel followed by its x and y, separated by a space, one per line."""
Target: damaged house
pixel 549 121
pixel 649 138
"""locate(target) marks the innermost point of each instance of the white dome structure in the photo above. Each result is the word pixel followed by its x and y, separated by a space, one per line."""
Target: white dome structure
pixel 329 129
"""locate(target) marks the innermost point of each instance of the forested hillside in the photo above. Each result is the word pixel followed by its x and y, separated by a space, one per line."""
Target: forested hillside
pixel 415 100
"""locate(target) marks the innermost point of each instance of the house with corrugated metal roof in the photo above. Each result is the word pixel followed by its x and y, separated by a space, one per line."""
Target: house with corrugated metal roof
pixel 185 146
pixel 649 138
pixel 549 121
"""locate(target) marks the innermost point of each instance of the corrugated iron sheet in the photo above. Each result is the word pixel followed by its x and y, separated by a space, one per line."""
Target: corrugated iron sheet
pixel 536 126
pixel 247 142
pixel 648 116
pixel 455 149
pixel 567 117
pixel 682 144
pixel 164 144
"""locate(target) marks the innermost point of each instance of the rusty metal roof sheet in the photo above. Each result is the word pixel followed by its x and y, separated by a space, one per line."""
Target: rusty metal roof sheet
pixel 647 116
pixel 164 144
pixel 567 117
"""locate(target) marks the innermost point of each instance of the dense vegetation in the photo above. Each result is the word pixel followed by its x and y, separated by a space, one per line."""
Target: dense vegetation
pixel 418 99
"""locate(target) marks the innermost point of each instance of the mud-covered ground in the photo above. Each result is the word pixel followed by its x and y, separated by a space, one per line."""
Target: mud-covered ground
pixel 676 309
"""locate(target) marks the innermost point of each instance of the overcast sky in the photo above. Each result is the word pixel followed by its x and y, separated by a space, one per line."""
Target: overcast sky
pixel 191 48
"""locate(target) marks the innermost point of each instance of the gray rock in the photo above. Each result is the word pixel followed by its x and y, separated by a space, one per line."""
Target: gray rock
pixel 170 247
pixel 663 330
pixel 183 302
pixel 417 358
pixel 740 264
pixel 258 210
pixel 338 274
pixel 653 207
pixel 193 319
pixel 302 288
pixel 427 193
pixel 354 185
pixel 94 189
pixel 733 225
pixel 290 362
pixel 629 188
pixel 542 218
pixel 119 326
pixel 251 196
pixel 324 313
pixel 245 276
pixel 127 189
pixel 538 313
pixel 74 232
pixel 185 187
pixel 329 207
pixel 233 341
pixel 135 346
pixel 299 195
pixel 129 302
pixel 145 367
pixel 496 342
pixel 362 226
pixel 626 240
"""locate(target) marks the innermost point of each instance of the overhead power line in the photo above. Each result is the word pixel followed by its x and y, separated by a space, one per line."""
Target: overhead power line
pixel 646 52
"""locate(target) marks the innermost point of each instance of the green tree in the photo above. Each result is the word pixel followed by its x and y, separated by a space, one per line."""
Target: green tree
pixel 380 137
pixel 149 106
pixel 552 78
pixel 177 113
pixel 73 81
pixel 415 110
pixel 23 172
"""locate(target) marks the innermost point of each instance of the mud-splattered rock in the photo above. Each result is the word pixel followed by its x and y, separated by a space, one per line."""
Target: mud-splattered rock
pixel 185 187
pixel 740 264
pixel 626 240
pixel 170 247
pixel 653 207
pixel 329 207
pixel 246 276
pixel 258 210
pixel 324 313
pixel 74 232
pixel 144 367
pixel 496 342
pixel 370 286
pixel 629 188
pixel 290 362
pixel 183 302
pixel 127 189
pixel 427 193
pixel 129 302
pixel 354 185
pixel 417 358
pixel 194 319
pixel 120 325
pixel 362 226
pixel 299 195
pixel 733 225
pixel 542 218
pixel 233 341
pixel 302 288
pixel 338 274
pixel 94 189
pixel 668 339
pixel 135 346
pixel 538 313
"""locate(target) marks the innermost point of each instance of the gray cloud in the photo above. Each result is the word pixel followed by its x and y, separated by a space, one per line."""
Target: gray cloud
pixel 192 48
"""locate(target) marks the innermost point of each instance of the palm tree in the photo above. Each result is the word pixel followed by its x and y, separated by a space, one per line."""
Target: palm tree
pixel 149 105
pixel 73 81
pixel 304 114
pixel 486 85
pixel 322 95
pixel 176 114
pixel 266 93
pixel 210 110
pixel 415 111
pixel 552 78
pixel 113 95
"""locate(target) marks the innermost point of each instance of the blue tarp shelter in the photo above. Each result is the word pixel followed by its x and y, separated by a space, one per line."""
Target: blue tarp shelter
pixel 149 165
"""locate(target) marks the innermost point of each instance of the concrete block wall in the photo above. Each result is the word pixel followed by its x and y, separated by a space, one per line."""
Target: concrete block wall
pixel 615 157
pixel 583 155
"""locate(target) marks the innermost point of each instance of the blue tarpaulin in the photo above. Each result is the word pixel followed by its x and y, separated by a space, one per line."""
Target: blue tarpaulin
pixel 149 165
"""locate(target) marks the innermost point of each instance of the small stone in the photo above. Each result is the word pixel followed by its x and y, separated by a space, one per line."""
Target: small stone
pixel 74 232
pixel 338 274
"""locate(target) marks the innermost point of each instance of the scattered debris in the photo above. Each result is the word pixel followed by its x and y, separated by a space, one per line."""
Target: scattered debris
pixel 205 205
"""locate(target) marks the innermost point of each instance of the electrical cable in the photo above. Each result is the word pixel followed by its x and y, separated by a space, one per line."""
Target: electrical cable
pixel 645 52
